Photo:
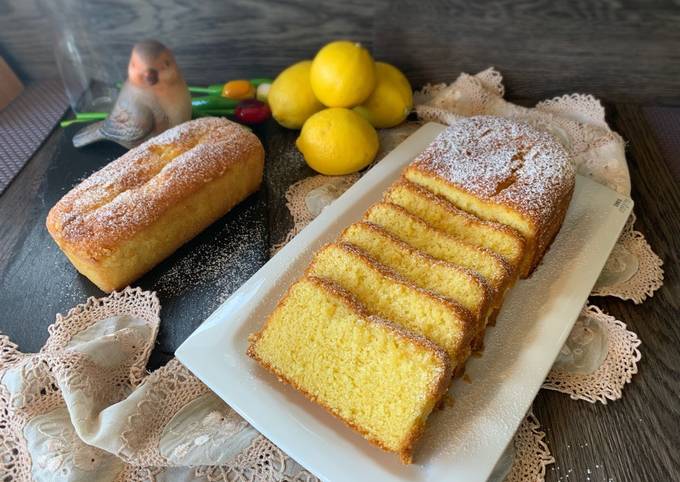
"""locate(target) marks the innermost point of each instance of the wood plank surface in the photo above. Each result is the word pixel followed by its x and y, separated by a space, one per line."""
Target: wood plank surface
pixel 618 50
pixel 213 40
pixel 623 51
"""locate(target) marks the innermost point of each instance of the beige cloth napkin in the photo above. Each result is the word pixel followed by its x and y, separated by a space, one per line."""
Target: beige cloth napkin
pixel 84 409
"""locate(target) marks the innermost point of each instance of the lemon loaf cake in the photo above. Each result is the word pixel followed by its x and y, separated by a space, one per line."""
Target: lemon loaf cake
pixel 443 215
pixel 416 232
pixel 441 277
pixel 125 218
pixel 442 321
pixel 501 170
pixel 378 378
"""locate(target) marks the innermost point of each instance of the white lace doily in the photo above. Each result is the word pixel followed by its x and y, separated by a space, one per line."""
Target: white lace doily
pixel 298 202
pixel 526 457
pixel 633 271
pixel 532 454
pixel 85 409
pixel 598 360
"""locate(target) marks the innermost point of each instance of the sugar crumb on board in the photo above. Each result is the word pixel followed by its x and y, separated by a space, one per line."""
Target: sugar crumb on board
pixel 222 264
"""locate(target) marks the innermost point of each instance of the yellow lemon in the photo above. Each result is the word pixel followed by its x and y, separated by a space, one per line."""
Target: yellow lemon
pixel 391 100
pixel 337 141
pixel 343 74
pixel 291 98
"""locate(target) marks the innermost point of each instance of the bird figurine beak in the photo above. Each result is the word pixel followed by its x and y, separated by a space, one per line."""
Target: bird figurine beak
pixel 151 76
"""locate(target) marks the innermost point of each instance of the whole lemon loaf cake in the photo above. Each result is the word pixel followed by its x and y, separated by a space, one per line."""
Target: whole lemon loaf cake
pixel 501 170
pixel 443 215
pixel 322 342
pixel 385 294
pixel 125 218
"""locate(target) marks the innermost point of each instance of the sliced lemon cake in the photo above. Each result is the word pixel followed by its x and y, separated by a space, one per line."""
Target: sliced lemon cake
pixel 416 232
pixel 375 376
pixel 441 277
pixel 383 293
pixel 443 215
pixel 501 170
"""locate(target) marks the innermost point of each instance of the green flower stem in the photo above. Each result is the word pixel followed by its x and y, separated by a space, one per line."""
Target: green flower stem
pixel 213 102
pixel 67 123
pixel 82 117
pixel 215 89
pixel 212 112
pixel 91 115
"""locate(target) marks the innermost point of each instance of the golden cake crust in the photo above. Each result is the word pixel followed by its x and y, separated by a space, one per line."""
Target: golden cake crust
pixel 504 162
pixel 509 274
pixel 132 192
pixel 427 259
pixel 403 183
pixel 127 217
pixel 464 315
pixel 435 393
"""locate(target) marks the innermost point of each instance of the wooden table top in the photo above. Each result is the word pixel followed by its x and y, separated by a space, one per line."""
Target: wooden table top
pixel 633 439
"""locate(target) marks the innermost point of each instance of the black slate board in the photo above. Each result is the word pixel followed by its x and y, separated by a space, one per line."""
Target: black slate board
pixel 285 166
pixel 38 281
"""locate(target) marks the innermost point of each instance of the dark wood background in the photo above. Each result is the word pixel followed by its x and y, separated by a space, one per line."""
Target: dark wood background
pixel 626 52
pixel 619 50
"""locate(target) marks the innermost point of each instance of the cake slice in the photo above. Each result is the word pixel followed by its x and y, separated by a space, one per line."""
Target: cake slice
pixel 383 293
pixel 443 215
pixel 501 170
pixel 416 232
pixel 441 277
pixel 378 378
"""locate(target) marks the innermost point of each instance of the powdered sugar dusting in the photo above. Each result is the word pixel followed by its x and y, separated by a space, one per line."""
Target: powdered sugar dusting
pixel 131 192
pixel 502 161
pixel 221 263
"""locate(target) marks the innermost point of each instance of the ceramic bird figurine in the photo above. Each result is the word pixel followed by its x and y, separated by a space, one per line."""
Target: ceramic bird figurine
pixel 153 99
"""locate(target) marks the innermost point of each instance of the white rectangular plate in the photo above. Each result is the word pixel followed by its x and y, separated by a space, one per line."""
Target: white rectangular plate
pixel 462 442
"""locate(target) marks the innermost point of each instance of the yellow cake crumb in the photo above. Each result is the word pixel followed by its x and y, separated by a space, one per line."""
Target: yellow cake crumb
pixel 441 277
pixel 444 322
pixel 372 374
pixel 438 244
pixel 441 214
